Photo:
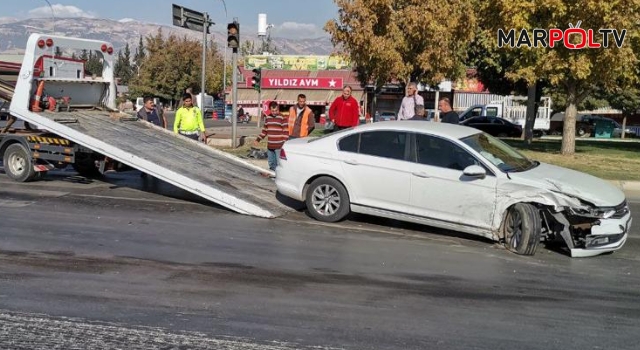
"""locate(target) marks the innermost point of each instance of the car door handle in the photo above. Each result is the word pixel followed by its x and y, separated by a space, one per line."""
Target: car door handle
pixel 420 174
pixel 351 162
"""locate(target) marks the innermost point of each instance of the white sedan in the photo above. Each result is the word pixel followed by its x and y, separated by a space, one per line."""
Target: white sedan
pixel 453 177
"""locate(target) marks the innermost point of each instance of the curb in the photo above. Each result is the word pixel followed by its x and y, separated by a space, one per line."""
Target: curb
pixel 626 186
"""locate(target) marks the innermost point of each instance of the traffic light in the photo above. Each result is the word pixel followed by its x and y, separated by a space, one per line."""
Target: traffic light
pixel 233 35
pixel 255 81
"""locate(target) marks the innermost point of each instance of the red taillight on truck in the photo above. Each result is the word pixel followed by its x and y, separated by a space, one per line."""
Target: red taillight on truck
pixel 49 42
pixel 283 154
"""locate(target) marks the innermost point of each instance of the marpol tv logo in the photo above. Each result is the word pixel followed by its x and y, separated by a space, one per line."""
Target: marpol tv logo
pixel 573 38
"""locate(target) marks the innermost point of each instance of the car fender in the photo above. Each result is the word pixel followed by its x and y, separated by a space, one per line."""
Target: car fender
pixel 326 172
pixel 510 193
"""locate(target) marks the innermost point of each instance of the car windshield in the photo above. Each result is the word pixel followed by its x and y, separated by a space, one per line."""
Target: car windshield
pixel 499 153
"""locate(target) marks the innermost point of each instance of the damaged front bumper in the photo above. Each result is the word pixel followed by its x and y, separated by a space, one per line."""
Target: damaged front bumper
pixel 607 235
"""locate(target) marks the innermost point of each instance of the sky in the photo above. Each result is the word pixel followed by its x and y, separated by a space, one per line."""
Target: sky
pixel 293 19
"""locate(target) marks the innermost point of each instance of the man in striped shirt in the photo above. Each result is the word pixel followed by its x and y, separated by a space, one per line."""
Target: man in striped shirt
pixel 276 130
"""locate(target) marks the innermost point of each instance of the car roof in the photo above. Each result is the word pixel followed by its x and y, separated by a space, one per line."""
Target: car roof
pixel 439 129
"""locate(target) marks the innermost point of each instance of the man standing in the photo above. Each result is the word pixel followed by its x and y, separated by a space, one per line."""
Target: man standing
pixel 420 114
pixel 276 130
pixel 345 110
pixel 449 116
pixel 152 113
pixel 301 119
pixel 240 113
pixel 409 102
pixel 189 121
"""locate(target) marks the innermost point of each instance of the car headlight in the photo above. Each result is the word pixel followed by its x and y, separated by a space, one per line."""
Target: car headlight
pixel 596 213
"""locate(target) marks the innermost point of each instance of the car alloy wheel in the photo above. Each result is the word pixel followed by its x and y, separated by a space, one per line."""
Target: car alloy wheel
pixel 327 199
pixel 522 229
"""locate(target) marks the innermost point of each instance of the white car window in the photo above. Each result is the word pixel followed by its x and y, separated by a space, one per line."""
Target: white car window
pixel 387 144
pixel 349 143
pixel 435 151
pixel 499 153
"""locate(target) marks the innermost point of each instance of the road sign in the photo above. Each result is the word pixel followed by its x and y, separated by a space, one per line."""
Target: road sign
pixel 190 19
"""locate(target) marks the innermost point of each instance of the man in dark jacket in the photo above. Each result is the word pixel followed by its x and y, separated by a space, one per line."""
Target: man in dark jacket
pixel 447 114
pixel 152 113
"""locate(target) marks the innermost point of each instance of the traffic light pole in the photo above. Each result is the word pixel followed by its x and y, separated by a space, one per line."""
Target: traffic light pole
pixel 205 27
pixel 234 113
pixel 259 109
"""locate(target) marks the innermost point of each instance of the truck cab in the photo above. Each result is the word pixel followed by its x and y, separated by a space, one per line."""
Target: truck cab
pixel 478 110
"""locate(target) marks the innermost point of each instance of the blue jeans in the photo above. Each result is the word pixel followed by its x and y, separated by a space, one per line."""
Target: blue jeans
pixel 272 158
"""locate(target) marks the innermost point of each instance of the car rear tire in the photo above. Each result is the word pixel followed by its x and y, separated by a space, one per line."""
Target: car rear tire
pixel 18 164
pixel 327 200
pixel 502 134
pixel 522 229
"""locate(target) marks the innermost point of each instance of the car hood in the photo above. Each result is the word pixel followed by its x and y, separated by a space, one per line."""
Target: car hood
pixel 572 183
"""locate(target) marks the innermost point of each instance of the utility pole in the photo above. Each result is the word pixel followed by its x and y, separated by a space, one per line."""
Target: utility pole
pixel 233 42
pixel 205 29
pixel 198 21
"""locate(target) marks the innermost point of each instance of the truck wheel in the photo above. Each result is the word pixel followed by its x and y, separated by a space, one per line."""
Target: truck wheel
pixel 85 165
pixel 327 200
pixel 522 229
pixel 18 163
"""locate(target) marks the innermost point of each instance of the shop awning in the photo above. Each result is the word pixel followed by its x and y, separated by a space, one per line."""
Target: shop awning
pixel 290 96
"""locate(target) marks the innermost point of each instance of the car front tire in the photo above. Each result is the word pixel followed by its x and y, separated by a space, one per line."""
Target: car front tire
pixel 522 229
pixel 327 200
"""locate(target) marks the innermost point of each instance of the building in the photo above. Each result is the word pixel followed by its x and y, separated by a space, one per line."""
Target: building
pixel 283 78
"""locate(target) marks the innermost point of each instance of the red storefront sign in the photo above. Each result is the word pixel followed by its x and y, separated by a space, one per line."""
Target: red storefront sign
pixel 299 83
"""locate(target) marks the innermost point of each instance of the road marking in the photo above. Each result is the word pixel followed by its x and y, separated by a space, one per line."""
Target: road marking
pixel 8 203
pixel 38 331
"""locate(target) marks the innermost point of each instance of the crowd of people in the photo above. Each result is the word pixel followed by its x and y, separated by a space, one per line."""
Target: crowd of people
pixel 343 113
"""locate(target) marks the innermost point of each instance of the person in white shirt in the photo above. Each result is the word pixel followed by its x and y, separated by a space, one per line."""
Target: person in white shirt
pixel 409 102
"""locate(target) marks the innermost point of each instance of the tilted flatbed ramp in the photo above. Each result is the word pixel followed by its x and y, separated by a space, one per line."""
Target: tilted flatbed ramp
pixel 193 166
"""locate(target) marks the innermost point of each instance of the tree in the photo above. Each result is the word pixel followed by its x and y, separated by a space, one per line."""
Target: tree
pixel 410 40
pixel 123 68
pixel 139 56
pixel 92 63
pixel 575 72
pixel 172 65
pixel 247 48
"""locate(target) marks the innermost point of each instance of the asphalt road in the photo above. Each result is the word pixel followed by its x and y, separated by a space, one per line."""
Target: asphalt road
pixel 137 264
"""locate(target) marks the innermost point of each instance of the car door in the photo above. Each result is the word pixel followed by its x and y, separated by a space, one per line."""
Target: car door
pixel 378 172
pixel 439 190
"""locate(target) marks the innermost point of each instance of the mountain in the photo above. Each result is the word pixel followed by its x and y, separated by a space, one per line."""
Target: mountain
pixel 14 34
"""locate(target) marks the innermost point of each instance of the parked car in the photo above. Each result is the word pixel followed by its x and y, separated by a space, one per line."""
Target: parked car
pixel 453 177
pixel 586 125
pixel 385 116
pixel 494 126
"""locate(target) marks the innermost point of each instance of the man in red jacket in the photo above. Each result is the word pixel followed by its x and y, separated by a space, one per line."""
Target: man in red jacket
pixel 345 110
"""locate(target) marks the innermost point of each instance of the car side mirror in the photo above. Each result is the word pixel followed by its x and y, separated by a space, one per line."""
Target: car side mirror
pixel 475 171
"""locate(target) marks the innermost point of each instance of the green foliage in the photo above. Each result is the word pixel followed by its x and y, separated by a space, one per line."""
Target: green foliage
pixel 573 73
pixel 123 67
pixel 172 64
pixel 408 40
pixel 94 63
